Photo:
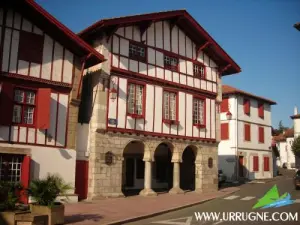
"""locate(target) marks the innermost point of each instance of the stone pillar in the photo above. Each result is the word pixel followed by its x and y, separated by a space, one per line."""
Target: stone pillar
pixel 176 160
pixel 147 191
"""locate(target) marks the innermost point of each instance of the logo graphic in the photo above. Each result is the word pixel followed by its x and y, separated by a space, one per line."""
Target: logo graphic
pixel 272 199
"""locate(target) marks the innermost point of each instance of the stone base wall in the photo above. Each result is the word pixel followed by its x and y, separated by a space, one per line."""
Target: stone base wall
pixel 105 180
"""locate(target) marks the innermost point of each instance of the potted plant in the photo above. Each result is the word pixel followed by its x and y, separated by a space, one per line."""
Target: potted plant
pixel 9 202
pixel 44 193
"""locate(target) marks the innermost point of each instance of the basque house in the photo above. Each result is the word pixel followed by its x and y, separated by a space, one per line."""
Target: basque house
pixel 41 65
pixel 245 150
pixel 149 117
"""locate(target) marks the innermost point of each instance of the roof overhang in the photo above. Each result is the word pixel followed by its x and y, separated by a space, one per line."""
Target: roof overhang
pixel 45 21
pixel 184 21
pixel 297 26
pixel 295 116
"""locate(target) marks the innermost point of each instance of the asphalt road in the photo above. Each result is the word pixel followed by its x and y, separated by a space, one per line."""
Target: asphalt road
pixel 241 201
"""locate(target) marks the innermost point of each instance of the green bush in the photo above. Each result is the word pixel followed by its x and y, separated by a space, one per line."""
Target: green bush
pixel 9 195
pixel 296 146
pixel 45 191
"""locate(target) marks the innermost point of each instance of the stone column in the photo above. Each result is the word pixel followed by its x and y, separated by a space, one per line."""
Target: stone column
pixel 176 179
pixel 147 191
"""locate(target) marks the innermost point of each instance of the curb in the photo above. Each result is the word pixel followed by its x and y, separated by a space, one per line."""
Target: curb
pixel 145 216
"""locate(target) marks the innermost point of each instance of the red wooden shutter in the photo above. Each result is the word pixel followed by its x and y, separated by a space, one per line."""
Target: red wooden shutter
pixel 6 103
pixel 25 174
pixel 247 132
pixel 224 131
pixel 43 108
pixel 255 163
pixel 266 164
pixel 261 110
pixel 261 135
pixel 247 106
pixel 224 105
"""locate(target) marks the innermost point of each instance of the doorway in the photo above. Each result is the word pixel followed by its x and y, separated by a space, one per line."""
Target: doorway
pixel 241 166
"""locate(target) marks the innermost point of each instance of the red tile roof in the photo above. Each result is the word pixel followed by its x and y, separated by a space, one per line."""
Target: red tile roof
pixel 226 89
pixel 183 19
pixel 282 137
pixel 295 116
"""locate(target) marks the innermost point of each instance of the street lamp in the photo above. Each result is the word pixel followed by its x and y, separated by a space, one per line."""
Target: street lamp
pixel 297 26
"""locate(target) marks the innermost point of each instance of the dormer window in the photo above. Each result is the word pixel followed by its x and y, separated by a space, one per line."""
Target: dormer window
pixel 199 70
pixel 137 52
pixel 171 63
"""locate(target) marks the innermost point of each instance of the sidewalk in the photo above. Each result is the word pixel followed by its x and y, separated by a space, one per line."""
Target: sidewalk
pixel 112 211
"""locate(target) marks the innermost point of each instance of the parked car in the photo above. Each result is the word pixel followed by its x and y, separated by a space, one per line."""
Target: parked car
pixel 297 180
pixel 222 177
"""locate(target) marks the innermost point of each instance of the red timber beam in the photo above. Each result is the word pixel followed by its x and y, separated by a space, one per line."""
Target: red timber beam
pixel 110 31
pixel 144 26
pixel 175 21
pixel 200 48
pixel 222 70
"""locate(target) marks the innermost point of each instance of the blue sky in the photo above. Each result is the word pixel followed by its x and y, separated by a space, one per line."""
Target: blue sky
pixel 257 34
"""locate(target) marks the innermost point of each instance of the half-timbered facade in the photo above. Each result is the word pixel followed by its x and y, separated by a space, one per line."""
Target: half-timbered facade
pixel 41 65
pixel 152 107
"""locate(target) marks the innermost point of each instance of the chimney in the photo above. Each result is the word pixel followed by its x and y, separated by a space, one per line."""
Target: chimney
pixel 295 110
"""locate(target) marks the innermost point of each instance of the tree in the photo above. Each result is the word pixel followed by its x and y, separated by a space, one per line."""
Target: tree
pixel 281 128
pixel 296 146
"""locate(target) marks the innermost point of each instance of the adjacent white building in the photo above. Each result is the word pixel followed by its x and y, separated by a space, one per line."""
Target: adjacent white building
pixel 245 149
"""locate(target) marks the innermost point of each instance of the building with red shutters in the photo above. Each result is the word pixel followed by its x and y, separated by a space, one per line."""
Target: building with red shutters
pixel 245 150
pixel 41 66
pixel 149 118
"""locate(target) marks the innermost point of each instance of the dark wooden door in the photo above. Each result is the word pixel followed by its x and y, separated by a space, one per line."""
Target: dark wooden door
pixel 130 172
pixel 241 166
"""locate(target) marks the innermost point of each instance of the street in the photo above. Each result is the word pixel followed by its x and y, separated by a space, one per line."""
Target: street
pixel 241 201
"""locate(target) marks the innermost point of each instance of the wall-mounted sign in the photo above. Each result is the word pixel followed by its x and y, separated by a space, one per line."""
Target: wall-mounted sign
pixel 112 121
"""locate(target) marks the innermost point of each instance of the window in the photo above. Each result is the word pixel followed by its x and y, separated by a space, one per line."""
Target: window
pixel 199 70
pixel 199 112
pixel 171 63
pixel 24 106
pixel 224 105
pixel 247 106
pixel 266 163
pixel 247 132
pixel 135 100
pixel 255 164
pixel 170 107
pixel 137 52
pixel 261 135
pixel 261 110
pixel 31 47
pixel 224 131
pixel 10 167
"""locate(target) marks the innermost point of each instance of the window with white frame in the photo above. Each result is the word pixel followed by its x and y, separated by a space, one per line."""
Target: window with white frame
pixel 24 106
pixel 199 70
pixel 171 63
pixel 10 167
pixel 169 106
pixel 198 112
pixel 137 52
pixel 135 99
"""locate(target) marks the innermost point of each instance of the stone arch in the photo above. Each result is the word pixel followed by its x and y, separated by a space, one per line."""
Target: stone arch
pixel 163 166
pixel 188 168
pixel 133 167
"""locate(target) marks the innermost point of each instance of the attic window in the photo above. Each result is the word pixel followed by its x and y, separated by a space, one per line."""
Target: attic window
pixel 31 47
pixel 171 63
pixel 137 52
pixel 199 70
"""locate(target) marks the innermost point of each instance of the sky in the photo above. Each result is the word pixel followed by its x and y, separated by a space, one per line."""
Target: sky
pixel 258 34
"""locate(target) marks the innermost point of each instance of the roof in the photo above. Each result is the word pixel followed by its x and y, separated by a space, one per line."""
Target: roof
pixel 297 26
pixel 34 12
pixel 226 90
pixel 183 20
pixel 283 136
pixel 297 116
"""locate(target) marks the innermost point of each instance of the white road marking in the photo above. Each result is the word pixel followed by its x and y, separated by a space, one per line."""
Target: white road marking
pixel 221 221
pixel 232 197
pixel 247 198
pixel 187 221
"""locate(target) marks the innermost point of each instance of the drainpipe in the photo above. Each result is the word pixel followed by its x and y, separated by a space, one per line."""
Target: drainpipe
pixel 236 138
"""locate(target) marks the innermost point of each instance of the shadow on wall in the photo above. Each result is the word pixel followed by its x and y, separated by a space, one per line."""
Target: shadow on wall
pixel 233 169
pixel 34 169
